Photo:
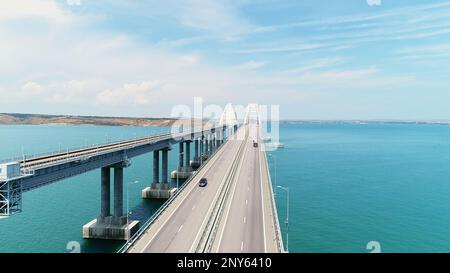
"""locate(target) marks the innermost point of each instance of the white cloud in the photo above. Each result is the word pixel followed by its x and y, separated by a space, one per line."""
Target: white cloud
pixel 88 72
pixel 373 2
pixel 131 94
pixel 315 65
pixel 220 18
pixel 74 2
pixel 61 92
pixel 282 47
pixel 33 88
pixel 34 9
pixel 405 23
pixel 250 65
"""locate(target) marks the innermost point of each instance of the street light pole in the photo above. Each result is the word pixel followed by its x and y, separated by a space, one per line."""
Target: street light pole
pixel 275 162
pixel 128 204
pixel 287 217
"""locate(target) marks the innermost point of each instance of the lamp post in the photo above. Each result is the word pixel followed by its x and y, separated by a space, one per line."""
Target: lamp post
pixel 128 204
pixel 287 217
pixel 275 162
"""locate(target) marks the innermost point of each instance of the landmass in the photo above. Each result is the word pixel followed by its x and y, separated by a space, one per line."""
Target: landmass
pixel 38 119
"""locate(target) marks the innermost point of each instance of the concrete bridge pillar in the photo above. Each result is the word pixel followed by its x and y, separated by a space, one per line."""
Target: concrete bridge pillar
pixel 165 162
pixel 105 192
pixel 118 196
pixel 105 226
pixel 195 163
pixel 211 141
pixel 218 139
pixel 203 148
pixel 159 189
pixel 180 155
pixel 183 171
pixel 224 131
pixel 196 149
pixel 155 168
pixel 188 153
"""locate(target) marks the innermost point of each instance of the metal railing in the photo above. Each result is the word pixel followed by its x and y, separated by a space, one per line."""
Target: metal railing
pixel 278 236
pixel 74 149
pixel 212 225
pixel 166 204
pixel 93 146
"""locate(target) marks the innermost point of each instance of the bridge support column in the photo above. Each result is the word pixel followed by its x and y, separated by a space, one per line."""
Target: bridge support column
pixel 155 168
pixel 105 226
pixel 165 162
pixel 180 155
pixel 218 139
pixel 195 163
pixel 204 148
pixel 183 171
pixel 224 131
pixel 188 153
pixel 105 195
pixel 159 189
pixel 118 219
pixel 211 141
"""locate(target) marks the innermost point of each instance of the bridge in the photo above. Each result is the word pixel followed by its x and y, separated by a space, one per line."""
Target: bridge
pixel 235 212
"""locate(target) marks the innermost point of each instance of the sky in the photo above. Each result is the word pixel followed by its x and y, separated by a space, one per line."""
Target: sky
pixel 316 59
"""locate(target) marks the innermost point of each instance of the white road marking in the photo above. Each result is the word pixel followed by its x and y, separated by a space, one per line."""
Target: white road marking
pixel 242 245
pixel 204 170
pixel 180 228
pixel 246 201
pixel 245 220
pixel 232 198
pixel 193 207
pixel 209 210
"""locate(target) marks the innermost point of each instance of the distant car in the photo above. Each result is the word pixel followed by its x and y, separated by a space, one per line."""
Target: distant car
pixel 203 182
pixel 255 144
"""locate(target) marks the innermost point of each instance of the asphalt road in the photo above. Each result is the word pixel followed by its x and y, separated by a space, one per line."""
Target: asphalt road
pixel 246 223
pixel 180 227
pixel 242 227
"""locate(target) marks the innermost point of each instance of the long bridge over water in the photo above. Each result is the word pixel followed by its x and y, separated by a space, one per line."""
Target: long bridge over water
pixel 235 212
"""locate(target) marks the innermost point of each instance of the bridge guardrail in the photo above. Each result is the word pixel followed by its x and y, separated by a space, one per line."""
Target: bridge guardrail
pixel 278 235
pixel 76 149
pixel 161 209
pixel 216 214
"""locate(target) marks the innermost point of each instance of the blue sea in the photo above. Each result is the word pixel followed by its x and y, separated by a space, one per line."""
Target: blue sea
pixel 349 184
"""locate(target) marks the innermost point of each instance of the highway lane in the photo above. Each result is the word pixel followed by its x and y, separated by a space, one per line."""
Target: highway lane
pixel 180 226
pixel 242 227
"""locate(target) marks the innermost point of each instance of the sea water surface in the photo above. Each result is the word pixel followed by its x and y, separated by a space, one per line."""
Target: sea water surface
pixel 354 183
pixel 349 184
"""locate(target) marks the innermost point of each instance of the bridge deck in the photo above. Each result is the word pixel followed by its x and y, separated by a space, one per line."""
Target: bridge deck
pixel 245 222
pixel 178 228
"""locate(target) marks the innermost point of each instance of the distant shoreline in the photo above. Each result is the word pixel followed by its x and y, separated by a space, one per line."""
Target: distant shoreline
pixel 70 120
pixel 37 119
pixel 362 122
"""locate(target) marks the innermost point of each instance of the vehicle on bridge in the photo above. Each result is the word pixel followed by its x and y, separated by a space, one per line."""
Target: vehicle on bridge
pixel 203 182
pixel 255 144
